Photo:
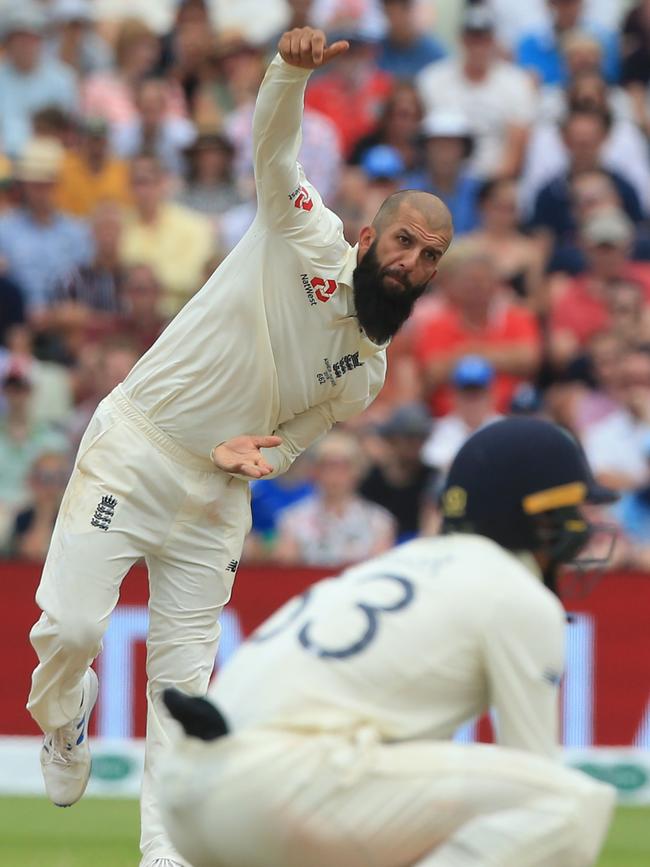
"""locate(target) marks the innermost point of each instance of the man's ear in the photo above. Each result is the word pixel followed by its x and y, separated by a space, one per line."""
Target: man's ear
pixel 366 237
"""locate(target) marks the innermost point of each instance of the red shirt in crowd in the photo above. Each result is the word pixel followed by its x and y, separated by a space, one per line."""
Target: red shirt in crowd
pixel 583 314
pixel 354 111
pixel 443 334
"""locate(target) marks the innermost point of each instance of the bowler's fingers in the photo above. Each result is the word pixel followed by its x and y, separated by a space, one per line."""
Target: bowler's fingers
pixel 335 49
pixel 267 442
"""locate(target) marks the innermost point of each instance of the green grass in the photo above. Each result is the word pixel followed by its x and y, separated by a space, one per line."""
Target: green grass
pixel 104 833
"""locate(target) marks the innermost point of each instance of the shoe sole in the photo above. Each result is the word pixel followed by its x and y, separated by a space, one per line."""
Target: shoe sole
pixel 94 688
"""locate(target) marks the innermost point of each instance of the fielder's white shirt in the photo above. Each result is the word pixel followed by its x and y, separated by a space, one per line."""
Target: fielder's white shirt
pixel 414 642
pixel 271 343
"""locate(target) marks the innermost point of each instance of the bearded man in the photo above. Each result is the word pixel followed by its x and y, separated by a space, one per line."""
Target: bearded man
pixel 287 337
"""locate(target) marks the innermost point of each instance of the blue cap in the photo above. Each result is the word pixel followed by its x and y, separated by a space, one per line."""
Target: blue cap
pixel 472 371
pixel 382 161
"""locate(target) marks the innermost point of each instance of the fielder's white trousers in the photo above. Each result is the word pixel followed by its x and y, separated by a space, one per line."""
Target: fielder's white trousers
pixel 188 521
pixel 270 798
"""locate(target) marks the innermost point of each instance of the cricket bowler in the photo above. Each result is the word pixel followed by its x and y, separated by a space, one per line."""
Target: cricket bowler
pixel 327 738
pixel 287 337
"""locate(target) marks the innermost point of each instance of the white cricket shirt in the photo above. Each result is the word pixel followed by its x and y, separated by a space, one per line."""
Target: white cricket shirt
pixel 414 642
pixel 271 343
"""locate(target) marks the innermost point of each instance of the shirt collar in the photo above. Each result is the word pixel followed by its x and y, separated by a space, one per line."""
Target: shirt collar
pixel 367 347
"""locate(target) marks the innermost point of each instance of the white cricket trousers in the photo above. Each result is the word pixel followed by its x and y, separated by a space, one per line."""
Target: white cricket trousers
pixel 272 798
pixel 188 521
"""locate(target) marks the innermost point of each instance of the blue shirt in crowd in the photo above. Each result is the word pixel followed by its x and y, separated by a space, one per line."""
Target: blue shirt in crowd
pixel 38 255
pixel 404 62
pixel 21 95
pixel 540 51
pixel 462 203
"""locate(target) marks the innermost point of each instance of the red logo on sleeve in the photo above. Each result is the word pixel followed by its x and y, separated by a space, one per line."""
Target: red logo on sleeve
pixel 302 200
pixel 323 289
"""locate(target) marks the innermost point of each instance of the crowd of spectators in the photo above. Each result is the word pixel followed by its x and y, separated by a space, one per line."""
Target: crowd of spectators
pixel 126 177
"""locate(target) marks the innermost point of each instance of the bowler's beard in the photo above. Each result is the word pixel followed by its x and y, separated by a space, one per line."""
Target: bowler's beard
pixel 381 310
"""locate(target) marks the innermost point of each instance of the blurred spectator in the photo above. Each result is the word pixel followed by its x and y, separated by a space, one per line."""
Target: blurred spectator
pixel 140 323
pixel 519 258
pixel 528 400
pixel 591 391
pixel 632 513
pixel 101 367
pixel 48 476
pixel 88 298
pixel 405 49
pixel 616 446
pixel 154 130
pixel 624 150
pixel 51 387
pixel 188 13
pixel 73 38
pixel 353 91
pixel 12 307
pixel 210 186
pixel 496 97
pixel 398 480
pixel 111 94
pixel 53 122
pixel 448 145
pixel 194 67
pixel 269 499
pixel 90 174
pixel 21 440
pixel 335 526
pixel 476 316
pixel 582 305
pixel 6 184
pixel 173 240
pixel 472 396
pixel 584 133
pixel 635 31
pixel 399 127
pixel 540 51
pixel 29 79
pixel 39 243
pixel 384 170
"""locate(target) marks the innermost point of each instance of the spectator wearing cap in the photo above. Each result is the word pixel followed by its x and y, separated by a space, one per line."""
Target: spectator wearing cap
pixel 476 315
pixel 210 186
pixel 335 526
pixel 405 49
pixel 495 96
pixel 384 171
pixel 29 79
pixel 353 91
pixel 73 38
pixel 91 174
pixel 398 126
pixel 448 145
pixel 154 129
pixel 21 441
pixel 39 243
pixel 399 479
pixel 473 407
pixel 581 306
pixel 540 51
pixel 173 240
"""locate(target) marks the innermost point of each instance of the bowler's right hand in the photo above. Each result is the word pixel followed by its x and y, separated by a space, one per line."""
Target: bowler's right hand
pixel 242 456
pixel 307 48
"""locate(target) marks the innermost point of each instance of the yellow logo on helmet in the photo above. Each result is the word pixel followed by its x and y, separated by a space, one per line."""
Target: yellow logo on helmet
pixel 454 502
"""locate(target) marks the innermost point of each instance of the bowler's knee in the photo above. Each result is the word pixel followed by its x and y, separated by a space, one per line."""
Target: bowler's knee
pixel 79 635
pixel 595 805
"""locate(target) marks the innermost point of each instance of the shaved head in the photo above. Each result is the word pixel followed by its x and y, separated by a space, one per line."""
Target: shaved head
pixel 433 209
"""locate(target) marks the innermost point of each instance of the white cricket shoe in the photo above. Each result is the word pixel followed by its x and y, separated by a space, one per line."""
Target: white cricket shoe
pixel 65 754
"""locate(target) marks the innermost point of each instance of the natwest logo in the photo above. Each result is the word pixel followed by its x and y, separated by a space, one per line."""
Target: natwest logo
pixel 318 289
pixel 301 199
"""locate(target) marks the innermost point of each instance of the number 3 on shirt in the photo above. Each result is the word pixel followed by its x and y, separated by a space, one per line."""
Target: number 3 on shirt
pixel 372 613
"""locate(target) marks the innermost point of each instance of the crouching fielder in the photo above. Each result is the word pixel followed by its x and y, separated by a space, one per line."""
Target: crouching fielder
pixel 340 708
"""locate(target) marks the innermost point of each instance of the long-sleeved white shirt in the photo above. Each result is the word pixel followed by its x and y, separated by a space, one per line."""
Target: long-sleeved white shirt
pixel 271 343
pixel 414 642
